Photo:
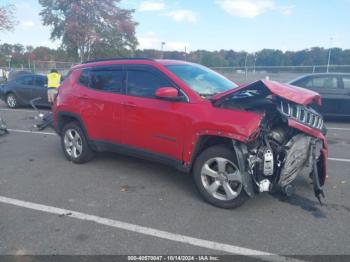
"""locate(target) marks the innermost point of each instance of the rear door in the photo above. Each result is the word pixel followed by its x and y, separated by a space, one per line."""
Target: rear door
pixel 328 86
pixel 345 85
pixel 40 89
pixel 151 124
pixel 100 97
pixel 23 87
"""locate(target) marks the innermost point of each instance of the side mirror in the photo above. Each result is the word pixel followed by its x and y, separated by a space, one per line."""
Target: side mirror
pixel 168 93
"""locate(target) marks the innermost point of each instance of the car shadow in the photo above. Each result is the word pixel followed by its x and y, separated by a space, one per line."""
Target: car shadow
pixel 167 174
pixel 313 207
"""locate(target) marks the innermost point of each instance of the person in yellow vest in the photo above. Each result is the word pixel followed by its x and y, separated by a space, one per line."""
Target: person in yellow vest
pixel 53 82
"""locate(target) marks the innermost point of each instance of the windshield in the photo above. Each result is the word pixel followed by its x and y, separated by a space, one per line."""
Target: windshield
pixel 204 81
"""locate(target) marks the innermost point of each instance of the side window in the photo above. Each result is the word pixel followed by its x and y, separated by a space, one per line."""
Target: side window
pixel 41 81
pixel 306 83
pixel 26 80
pixel 107 80
pixel 84 78
pixel 103 79
pixel 144 83
pixel 346 82
pixel 324 82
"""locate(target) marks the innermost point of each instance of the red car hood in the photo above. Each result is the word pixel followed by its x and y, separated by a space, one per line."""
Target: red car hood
pixel 292 93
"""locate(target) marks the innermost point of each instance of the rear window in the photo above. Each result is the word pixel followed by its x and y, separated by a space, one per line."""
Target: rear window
pixel 104 79
pixel 26 80
pixel 319 82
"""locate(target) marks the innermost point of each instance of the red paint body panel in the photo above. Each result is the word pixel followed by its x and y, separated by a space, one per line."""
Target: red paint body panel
pixel 292 93
pixel 167 128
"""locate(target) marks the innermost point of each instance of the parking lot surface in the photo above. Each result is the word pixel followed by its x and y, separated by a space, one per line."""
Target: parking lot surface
pixel 150 199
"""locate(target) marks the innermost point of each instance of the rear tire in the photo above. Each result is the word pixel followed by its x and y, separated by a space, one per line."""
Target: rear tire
pixel 75 144
pixel 11 100
pixel 218 178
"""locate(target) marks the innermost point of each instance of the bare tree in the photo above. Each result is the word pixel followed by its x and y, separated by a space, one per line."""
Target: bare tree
pixel 7 17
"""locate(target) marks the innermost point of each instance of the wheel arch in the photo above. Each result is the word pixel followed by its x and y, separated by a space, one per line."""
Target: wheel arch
pixel 238 148
pixel 63 118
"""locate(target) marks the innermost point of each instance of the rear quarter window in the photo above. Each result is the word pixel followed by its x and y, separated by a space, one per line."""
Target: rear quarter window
pixel 84 78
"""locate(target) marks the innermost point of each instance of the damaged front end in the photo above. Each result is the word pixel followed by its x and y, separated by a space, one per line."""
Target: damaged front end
pixel 289 142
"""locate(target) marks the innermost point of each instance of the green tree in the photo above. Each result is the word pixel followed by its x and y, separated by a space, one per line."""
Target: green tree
pixel 90 28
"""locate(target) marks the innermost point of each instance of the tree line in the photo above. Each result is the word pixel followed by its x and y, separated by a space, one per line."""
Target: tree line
pixel 25 56
pixel 91 29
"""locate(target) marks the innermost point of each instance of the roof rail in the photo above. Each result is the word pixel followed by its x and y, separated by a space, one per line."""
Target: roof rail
pixel 117 58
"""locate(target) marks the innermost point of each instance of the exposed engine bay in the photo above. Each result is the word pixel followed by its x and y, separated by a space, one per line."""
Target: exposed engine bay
pixel 277 153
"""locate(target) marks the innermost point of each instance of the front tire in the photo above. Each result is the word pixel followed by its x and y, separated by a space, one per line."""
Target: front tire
pixel 218 178
pixel 75 144
pixel 11 101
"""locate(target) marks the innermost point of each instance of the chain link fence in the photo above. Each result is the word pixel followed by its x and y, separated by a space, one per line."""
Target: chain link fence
pixel 277 73
pixel 38 67
pixel 237 74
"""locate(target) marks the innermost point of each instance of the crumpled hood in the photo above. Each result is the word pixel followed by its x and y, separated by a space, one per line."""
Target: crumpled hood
pixel 292 93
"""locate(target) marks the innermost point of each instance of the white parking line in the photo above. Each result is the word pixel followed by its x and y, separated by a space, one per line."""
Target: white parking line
pixel 339 159
pixel 338 128
pixel 31 132
pixel 20 110
pixel 148 231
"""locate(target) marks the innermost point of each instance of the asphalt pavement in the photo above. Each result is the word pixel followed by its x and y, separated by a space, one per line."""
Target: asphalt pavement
pixel 129 206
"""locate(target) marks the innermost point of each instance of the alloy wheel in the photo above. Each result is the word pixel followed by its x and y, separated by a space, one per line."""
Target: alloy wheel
pixel 11 101
pixel 221 178
pixel 73 143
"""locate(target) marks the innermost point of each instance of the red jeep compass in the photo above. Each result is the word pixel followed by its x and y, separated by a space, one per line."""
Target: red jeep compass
pixel 236 141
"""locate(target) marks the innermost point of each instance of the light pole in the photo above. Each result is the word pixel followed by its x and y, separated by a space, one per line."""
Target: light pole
pixel 162 45
pixel 245 66
pixel 255 58
pixel 9 58
pixel 329 54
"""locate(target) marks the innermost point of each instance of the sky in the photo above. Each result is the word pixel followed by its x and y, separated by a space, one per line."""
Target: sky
pixel 249 25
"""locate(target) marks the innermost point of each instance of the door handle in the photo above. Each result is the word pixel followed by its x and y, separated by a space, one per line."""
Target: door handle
pixel 83 96
pixel 130 104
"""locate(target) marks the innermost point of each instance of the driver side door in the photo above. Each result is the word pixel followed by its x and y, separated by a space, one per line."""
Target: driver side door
pixel 150 124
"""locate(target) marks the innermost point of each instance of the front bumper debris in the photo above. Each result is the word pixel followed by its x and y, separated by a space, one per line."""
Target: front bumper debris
pixel 3 127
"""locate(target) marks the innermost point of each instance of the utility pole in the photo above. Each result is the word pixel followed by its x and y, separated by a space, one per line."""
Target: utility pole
pixel 185 53
pixel 329 54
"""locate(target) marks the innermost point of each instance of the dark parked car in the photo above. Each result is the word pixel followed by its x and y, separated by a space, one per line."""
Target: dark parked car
pixel 334 89
pixel 24 88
